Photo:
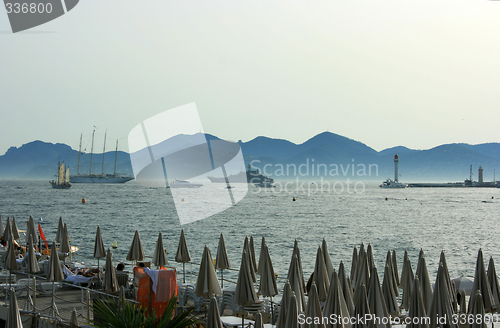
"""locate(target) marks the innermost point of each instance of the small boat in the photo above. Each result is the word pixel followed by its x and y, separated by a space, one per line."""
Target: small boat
pixel 392 184
pixel 183 184
pixel 62 178
pixel 265 184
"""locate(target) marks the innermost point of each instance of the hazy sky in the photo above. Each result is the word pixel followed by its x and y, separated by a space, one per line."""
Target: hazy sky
pixel 386 73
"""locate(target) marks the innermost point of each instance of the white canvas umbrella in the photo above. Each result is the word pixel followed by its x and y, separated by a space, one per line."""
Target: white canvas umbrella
pixel 478 312
pixel 362 309
pixel 159 257
pixel 136 251
pixel 182 255
pixel 9 258
pixel 416 307
pixel 7 233
pixel 55 274
pixel 252 254
pixel 248 252
pixel 462 302
pixel 287 293
pixel 326 256
pixel 300 276
pixel 441 302
pixel 15 231
pixel 2 228
pixel 425 282
pixel 493 280
pixel 99 250
pixel 13 316
pixel 376 299
pixel 345 287
pixel 369 257
pixel 481 283
pixel 222 259
pixel 207 283
pixel 388 262
pixel 463 283
pixel 60 230
pixel 335 304
pixel 354 266
pixel 31 267
pixel 213 316
pixel 245 292
pixel 295 281
pixel 388 292
pixel 363 276
pixel 406 281
pixel 65 248
pixel 110 281
pixel 451 287
pixel 31 234
pixel 320 276
pixel 292 314
pixel 313 308
pixel 262 244
pixel 296 251
pixel 268 286
pixel 395 268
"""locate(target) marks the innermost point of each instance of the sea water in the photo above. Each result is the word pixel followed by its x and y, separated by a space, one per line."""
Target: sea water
pixel 459 221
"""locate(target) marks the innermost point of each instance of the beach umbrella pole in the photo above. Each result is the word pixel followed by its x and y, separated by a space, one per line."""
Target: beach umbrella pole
pixel 272 309
pixel 184 272
pixel 54 310
pixel 222 277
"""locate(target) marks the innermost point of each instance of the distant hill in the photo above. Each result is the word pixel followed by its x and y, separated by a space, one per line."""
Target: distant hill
pixel 332 155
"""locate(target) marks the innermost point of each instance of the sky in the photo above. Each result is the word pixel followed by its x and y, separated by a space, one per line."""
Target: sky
pixel 386 72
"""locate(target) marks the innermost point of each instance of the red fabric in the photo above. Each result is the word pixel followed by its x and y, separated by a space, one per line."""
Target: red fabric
pixel 145 296
pixel 42 236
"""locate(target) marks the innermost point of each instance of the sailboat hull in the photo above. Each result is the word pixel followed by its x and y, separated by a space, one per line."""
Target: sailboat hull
pixel 107 178
pixel 61 186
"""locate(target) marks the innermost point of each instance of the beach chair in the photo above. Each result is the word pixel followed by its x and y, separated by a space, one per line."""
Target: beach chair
pixel 122 278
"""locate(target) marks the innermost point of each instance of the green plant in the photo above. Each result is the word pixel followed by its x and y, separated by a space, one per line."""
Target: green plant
pixel 113 313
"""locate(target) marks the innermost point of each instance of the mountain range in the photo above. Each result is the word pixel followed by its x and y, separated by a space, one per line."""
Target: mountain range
pixel 326 155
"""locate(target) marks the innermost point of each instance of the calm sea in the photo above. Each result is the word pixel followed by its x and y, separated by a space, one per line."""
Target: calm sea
pixel 456 220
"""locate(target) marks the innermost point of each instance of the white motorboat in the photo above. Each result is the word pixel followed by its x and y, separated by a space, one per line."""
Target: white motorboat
pixel 392 184
pixel 183 184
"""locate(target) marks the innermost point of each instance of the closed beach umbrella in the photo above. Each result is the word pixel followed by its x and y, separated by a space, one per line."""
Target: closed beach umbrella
pixel 478 312
pixel 207 283
pixel 363 276
pixel 73 322
pixel 31 235
pixel 462 302
pixel 285 299
pixel 451 287
pixel 370 258
pixel 15 231
pixel 65 248
pixel 320 276
pixel 362 309
pixel 268 286
pixel 417 307
pixel 481 283
pixel 335 304
pixel 222 259
pixel 395 268
pixel 425 282
pixel 262 244
pixel 213 316
pixel 182 255
pixel 376 299
pixel 326 256
pixel 313 309
pixel 7 233
pixel 388 262
pixel 55 274
pixel 252 254
pixel 13 316
pixel 406 282
pixel 295 281
pixel 292 314
pixel 9 258
pixel 346 288
pixel 248 252
pixel 441 302
pixel 493 280
pixel 245 292
pixel 99 250
pixel 60 230
pixel 388 291
pixel 354 265
pixel 136 251
pixel 2 228
pixel 110 282
pixel 159 257
pixel 296 252
pixel 258 321
pixel 31 266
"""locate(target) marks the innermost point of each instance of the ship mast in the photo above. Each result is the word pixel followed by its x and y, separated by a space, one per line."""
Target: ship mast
pixel 103 152
pixel 91 152
pixel 116 154
pixel 79 153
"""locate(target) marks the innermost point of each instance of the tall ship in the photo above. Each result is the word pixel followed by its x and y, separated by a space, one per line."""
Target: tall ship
pixel 248 176
pixel 98 178
pixel 62 178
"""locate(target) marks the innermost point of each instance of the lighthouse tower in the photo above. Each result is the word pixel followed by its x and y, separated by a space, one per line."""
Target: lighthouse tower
pixel 396 161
